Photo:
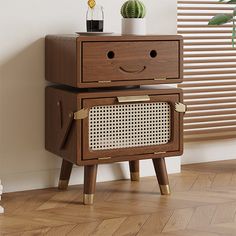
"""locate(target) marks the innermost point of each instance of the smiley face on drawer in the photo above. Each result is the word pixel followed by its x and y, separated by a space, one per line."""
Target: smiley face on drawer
pixel 129 61
pixel 132 68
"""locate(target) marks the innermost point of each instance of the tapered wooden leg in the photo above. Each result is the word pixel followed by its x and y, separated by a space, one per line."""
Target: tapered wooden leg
pixel 134 170
pixel 162 176
pixel 66 169
pixel 90 176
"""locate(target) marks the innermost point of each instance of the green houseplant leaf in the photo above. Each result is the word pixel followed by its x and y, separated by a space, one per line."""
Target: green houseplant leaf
pixel 221 19
pixel 234 27
pixel 230 1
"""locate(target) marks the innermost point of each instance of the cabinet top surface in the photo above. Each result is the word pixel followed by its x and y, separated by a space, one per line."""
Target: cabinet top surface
pixel 115 37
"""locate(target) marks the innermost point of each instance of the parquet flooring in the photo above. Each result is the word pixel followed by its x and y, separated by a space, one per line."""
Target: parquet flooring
pixel 203 203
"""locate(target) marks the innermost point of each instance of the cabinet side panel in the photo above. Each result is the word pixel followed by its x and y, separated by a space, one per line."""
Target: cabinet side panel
pixel 60 60
pixel 59 104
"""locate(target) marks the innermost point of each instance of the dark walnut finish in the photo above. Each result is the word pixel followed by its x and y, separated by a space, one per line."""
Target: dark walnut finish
pixel 134 170
pixel 66 168
pixel 90 175
pixel 106 61
pixel 162 177
pixel 76 147
pixel 68 137
pixel 88 124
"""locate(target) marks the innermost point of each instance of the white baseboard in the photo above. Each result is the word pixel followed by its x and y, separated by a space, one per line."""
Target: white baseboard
pixel 208 151
pixel 49 178
pixel 1 208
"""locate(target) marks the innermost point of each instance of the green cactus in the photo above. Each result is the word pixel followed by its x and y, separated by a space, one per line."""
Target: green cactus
pixel 133 9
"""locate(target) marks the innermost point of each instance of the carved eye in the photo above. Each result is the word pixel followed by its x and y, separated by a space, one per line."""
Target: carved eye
pixel 110 54
pixel 153 53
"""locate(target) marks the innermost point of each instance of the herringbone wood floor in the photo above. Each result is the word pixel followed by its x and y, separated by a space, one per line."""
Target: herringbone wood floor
pixel 203 203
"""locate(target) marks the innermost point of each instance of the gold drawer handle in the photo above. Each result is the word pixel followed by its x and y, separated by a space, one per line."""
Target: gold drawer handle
pixel 144 98
pixel 81 114
pixel 180 107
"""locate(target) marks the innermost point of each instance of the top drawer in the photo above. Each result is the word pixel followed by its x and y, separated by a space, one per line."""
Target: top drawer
pixel 87 62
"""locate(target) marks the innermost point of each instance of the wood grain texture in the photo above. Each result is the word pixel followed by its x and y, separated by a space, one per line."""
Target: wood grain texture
pixel 90 175
pixel 85 62
pixel 76 147
pixel 131 208
pixel 66 168
pixel 82 62
pixel 60 60
pixel 54 130
pixel 130 61
pixel 134 166
pixel 161 172
pixel 134 170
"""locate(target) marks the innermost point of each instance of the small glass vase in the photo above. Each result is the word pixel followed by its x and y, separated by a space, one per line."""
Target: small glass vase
pixel 95 19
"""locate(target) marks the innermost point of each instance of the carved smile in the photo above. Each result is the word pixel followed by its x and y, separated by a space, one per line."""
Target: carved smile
pixel 132 71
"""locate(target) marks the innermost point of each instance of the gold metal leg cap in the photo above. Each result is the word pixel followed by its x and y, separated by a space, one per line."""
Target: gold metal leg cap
pixel 165 189
pixel 63 184
pixel 88 199
pixel 134 176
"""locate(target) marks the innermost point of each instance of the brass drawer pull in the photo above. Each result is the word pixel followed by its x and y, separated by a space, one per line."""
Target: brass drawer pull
pixel 104 158
pixel 160 78
pixel 144 98
pixel 180 107
pixel 159 153
pixel 81 114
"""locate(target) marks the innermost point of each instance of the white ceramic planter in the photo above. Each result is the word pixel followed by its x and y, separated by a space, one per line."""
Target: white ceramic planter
pixel 135 26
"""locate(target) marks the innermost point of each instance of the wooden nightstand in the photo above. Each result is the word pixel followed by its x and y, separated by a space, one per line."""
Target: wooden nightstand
pixel 88 125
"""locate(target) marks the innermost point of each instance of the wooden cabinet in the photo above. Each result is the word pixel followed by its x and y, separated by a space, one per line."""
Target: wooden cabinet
pixel 102 112
pixel 91 62
pixel 114 126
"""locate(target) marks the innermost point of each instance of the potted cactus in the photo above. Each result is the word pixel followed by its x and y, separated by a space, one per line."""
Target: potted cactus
pixel 133 22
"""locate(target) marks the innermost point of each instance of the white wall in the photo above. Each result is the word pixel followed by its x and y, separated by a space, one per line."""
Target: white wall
pixel 209 151
pixel 24 164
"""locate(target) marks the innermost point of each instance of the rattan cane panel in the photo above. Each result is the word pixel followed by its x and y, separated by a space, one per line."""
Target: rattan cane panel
pixel 129 125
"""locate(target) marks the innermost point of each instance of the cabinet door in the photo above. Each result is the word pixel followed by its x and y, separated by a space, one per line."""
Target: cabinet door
pixel 131 125
pixel 130 61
